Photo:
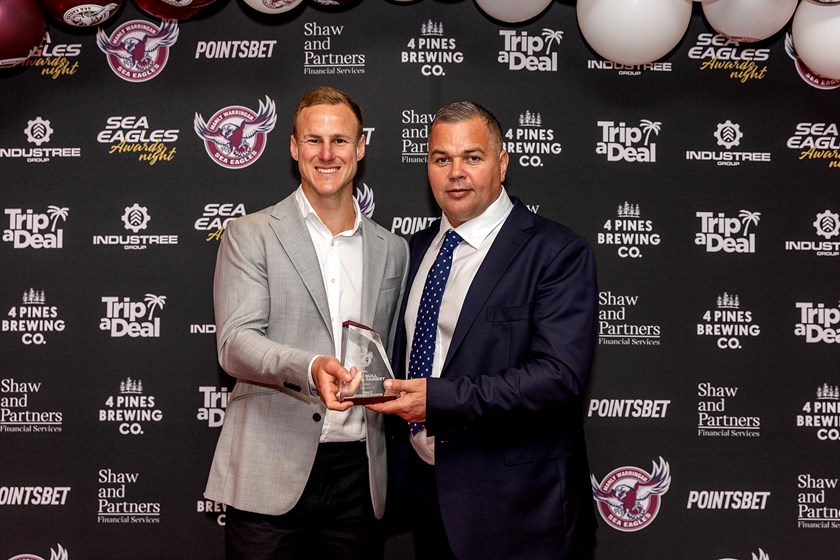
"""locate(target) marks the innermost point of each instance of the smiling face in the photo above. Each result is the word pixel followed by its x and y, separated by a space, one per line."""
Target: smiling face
pixel 327 146
pixel 466 168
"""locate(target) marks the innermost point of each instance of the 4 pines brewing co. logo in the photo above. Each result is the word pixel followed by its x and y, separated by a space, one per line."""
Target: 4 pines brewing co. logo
pixel 531 140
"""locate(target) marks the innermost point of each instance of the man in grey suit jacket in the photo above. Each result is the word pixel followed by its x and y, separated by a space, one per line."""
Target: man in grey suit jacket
pixel 300 480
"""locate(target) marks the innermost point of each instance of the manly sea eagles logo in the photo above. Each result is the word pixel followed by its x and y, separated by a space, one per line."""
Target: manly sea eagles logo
pixel 364 196
pixel 138 50
pixel 806 73
pixel 628 497
pixel 235 136
pixel 60 554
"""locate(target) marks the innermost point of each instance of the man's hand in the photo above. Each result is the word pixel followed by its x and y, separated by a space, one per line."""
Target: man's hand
pixel 328 373
pixel 411 404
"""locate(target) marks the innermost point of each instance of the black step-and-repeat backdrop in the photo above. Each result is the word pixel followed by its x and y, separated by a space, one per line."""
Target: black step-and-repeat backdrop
pixel 708 183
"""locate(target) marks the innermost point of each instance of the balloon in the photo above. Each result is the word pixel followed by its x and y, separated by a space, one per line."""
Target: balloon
pixel 22 28
pixel 633 32
pixel 173 9
pixel 748 20
pixel 82 13
pixel 512 11
pixel 273 6
pixel 816 37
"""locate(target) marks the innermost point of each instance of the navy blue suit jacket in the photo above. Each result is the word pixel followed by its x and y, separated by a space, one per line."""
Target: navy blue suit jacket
pixel 510 458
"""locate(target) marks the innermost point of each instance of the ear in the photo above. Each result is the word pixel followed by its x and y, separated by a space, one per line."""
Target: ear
pixel 293 147
pixel 360 147
pixel 504 159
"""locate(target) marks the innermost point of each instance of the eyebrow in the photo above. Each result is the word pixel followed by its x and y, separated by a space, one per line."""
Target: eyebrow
pixel 468 151
pixel 313 135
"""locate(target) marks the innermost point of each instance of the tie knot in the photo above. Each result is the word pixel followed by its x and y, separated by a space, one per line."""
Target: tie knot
pixel 451 241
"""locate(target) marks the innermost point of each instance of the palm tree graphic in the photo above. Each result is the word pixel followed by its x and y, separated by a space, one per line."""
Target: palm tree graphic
pixel 748 218
pixel 154 301
pixel 648 127
pixel 55 213
pixel 552 37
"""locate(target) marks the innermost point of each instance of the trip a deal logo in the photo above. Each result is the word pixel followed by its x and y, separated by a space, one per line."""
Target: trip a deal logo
pixel 628 498
pixel 138 50
pixel 532 53
pixel 235 136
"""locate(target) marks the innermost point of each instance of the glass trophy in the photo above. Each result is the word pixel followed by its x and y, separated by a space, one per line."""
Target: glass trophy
pixel 364 356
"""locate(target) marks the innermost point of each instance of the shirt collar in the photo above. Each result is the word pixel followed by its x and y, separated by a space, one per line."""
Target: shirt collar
pixel 476 230
pixel 308 213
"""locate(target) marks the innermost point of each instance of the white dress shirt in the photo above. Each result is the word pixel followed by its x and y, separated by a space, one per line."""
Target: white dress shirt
pixel 341 258
pixel 478 234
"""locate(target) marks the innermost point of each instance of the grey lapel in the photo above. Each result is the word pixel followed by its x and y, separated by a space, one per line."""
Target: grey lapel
pixel 294 237
pixel 375 256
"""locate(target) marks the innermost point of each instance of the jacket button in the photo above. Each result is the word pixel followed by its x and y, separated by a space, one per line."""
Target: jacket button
pixel 316 417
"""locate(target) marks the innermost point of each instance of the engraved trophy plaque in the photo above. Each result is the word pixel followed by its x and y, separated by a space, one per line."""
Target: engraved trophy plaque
pixel 361 348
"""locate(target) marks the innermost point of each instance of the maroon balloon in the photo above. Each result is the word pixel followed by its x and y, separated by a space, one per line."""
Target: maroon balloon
pixel 82 13
pixel 22 28
pixel 173 9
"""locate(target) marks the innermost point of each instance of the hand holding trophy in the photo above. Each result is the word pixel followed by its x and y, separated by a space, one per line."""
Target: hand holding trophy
pixel 364 356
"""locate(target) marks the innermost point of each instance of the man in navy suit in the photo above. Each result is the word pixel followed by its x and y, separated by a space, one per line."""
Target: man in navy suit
pixel 498 468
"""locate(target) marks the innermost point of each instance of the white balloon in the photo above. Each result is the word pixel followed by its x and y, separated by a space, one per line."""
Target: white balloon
pixel 748 20
pixel 816 37
pixel 273 6
pixel 512 11
pixel 632 32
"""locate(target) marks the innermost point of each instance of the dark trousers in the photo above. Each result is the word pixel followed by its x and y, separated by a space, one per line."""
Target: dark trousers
pixel 430 540
pixel 332 520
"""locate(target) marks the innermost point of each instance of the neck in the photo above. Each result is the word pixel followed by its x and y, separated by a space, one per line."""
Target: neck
pixel 336 212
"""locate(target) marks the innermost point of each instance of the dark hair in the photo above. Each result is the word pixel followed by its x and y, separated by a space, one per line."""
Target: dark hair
pixel 461 111
pixel 325 95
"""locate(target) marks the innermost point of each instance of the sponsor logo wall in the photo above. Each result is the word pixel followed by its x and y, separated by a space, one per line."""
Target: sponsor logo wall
pixel 706 182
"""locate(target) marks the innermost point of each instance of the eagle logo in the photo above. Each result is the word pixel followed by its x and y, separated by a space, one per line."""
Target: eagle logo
pixel 235 136
pixel 628 497
pixel 138 50
pixel 808 75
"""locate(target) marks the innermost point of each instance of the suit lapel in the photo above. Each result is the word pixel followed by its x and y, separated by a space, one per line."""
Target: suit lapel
pixel 418 246
pixel 293 236
pixel 512 237
pixel 375 255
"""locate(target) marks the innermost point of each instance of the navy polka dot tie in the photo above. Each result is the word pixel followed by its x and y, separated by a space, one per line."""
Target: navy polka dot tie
pixel 425 329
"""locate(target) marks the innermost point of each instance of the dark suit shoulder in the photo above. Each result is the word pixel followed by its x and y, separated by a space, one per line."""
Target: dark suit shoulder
pixel 545 229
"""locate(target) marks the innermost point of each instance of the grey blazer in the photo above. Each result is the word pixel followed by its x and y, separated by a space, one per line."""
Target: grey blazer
pixel 272 319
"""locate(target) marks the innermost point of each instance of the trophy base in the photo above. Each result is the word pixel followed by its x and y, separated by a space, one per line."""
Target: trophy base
pixel 371 400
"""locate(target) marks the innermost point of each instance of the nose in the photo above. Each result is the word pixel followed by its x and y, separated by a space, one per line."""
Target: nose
pixel 456 169
pixel 326 152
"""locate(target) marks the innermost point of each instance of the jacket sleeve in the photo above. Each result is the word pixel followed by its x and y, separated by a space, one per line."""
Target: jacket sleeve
pixel 243 303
